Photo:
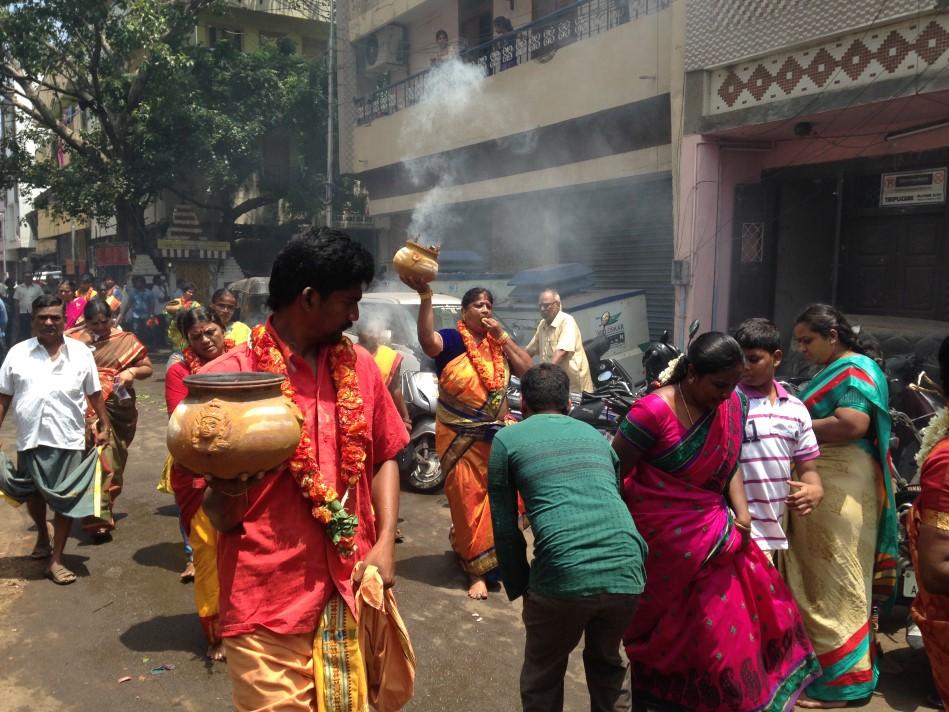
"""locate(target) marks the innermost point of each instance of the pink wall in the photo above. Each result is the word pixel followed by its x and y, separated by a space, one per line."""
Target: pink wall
pixel 709 169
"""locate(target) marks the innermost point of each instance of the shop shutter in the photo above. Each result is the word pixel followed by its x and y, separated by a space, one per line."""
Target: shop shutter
pixel 630 246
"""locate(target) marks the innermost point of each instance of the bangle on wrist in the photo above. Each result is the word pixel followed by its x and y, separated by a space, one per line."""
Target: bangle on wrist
pixel 743 527
pixel 425 296
pixel 503 338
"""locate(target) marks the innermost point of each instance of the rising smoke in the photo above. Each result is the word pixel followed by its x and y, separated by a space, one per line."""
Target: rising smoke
pixel 453 94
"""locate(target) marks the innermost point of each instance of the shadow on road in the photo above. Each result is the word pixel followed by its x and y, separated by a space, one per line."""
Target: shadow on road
pixel 166 633
pixel 167 510
pixel 168 555
pixel 433 569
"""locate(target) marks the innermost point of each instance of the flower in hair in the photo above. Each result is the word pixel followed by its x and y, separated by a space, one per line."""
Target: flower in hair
pixel 669 370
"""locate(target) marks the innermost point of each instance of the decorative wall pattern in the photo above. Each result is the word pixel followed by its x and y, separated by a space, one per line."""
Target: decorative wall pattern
pixel 725 31
pixel 908 49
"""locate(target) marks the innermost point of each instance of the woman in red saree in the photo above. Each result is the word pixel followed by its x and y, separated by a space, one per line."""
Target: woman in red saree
pixel 927 525
pixel 204 331
pixel 473 362
pixel 121 359
pixel 716 627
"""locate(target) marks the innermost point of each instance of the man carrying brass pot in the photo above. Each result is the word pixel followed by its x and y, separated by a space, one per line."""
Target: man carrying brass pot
pixel 293 543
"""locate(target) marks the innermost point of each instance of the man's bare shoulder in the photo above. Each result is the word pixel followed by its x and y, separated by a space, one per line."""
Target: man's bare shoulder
pixel 237 359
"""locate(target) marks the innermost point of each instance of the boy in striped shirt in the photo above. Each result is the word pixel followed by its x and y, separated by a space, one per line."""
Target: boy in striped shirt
pixel 778 432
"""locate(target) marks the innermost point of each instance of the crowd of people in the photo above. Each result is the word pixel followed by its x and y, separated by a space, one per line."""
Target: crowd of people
pixel 733 538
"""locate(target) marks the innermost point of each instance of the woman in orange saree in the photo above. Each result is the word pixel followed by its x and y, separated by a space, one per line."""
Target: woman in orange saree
pixel 927 525
pixel 121 359
pixel 473 362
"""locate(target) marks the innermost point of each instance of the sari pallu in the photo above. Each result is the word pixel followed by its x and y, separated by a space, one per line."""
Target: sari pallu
pixel 716 627
pixel 112 355
pixel 931 611
pixel 466 419
pixel 844 554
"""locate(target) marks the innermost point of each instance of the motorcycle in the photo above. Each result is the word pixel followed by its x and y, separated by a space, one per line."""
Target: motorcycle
pixel 419 461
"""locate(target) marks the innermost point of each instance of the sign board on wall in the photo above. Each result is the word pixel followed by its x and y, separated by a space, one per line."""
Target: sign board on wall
pixel 913 188
pixel 114 254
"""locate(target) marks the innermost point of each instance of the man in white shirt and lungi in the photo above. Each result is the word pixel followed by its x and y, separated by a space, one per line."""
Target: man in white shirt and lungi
pixel 48 379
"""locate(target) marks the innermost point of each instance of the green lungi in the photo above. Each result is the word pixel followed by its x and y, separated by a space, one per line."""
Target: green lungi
pixel 65 479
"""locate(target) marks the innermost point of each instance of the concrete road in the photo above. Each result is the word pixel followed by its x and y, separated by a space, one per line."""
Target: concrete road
pixel 66 648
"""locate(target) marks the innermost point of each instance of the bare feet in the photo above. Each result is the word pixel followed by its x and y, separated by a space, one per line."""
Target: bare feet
pixel 477 588
pixel 216 652
pixel 187 576
pixel 812 704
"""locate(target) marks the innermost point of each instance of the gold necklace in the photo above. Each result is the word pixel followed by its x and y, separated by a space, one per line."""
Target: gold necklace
pixel 688 410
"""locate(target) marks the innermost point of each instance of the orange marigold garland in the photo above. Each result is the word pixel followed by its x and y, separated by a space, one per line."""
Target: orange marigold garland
pixel 353 432
pixel 496 382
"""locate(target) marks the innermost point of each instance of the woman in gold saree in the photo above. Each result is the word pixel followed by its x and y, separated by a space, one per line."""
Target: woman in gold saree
pixel 473 362
pixel 121 359
pixel 842 557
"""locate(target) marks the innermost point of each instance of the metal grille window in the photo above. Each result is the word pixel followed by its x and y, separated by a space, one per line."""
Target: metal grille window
pixel 752 243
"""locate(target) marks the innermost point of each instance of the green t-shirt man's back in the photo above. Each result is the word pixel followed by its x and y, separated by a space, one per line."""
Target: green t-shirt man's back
pixel 585 541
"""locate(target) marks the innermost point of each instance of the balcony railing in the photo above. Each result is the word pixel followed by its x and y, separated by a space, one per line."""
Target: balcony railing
pixel 574 23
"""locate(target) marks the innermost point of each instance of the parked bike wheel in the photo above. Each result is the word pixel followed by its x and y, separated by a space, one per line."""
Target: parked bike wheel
pixel 425 469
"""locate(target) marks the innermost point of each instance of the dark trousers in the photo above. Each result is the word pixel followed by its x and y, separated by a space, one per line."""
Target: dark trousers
pixel 24 326
pixel 554 627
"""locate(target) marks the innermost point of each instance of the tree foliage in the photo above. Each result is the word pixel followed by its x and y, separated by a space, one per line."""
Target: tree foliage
pixel 158 111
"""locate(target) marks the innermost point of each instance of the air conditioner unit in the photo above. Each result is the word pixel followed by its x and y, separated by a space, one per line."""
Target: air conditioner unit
pixel 385 49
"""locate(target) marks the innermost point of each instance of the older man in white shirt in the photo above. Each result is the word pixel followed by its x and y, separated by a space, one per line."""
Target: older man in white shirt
pixel 48 379
pixel 557 340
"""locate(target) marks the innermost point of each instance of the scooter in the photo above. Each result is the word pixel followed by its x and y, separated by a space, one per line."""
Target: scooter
pixel 418 461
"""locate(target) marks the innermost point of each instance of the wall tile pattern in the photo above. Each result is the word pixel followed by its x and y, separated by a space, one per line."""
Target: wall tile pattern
pixel 915 50
pixel 725 31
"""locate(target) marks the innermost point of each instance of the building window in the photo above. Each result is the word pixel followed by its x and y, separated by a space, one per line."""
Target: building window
pixel 752 243
pixel 221 34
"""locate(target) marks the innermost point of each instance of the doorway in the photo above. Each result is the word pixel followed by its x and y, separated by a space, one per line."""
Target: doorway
pixel 475 18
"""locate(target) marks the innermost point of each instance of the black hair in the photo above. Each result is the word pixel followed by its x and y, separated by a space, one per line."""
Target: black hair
pixel 758 333
pixel 545 387
pixel 944 364
pixel 197 315
pixel 711 352
pixel 471 296
pixel 822 318
pixel 44 301
pixel 220 293
pixel 185 286
pixel 322 259
pixel 87 279
pixel 67 281
pixel 504 23
pixel 441 32
pixel 95 307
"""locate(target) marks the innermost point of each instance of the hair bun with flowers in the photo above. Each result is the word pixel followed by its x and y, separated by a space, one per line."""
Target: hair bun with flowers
pixel 669 372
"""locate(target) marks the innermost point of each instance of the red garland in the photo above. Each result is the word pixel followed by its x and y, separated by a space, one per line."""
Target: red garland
pixel 353 432
pixel 195 362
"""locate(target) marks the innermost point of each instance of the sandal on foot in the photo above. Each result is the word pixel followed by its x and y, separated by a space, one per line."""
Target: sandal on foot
pixel 41 552
pixel 60 575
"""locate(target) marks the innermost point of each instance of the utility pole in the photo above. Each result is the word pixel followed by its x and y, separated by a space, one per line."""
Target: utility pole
pixel 331 118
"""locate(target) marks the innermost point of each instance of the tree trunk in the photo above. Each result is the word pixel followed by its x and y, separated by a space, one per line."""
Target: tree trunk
pixel 130 228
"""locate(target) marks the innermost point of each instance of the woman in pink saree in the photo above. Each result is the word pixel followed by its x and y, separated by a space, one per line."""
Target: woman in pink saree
pixel 716 628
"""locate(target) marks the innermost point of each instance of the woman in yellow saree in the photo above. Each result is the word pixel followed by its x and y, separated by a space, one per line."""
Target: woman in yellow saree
pixel 842 557
pixel 474 362
pixel 121 359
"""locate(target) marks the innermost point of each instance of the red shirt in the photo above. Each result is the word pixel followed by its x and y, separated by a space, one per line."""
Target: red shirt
pixel 278 569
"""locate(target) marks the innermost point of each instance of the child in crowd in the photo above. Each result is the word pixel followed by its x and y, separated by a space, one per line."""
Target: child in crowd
pixel 778 432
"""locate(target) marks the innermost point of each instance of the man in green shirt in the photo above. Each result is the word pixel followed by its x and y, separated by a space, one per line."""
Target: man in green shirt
pixel 587 571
